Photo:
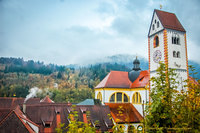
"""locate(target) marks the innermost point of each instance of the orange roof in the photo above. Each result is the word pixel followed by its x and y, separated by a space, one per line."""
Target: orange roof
pixel 115 79
pixel 46 100
pixel 169 20
pixel 119 79
pixel 142 80
pixel 124 113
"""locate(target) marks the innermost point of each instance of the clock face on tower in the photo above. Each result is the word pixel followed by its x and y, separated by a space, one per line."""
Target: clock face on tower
pixel 157 56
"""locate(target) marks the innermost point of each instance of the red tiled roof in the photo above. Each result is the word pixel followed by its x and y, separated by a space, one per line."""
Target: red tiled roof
pixel 128 114
pixel 119 79
pixel 14 121
pixel 169 20
pixel 40 113
pixel 115 79
pixel 12 102
pixel 46 100
pixel 142 80
pixel 46 113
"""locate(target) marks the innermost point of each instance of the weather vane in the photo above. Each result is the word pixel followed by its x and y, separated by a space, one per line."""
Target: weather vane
pixel 160 6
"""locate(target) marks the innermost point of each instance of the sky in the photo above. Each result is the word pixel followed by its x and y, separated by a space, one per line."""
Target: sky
pixel 82 31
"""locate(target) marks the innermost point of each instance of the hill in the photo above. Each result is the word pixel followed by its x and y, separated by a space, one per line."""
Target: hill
pixel 63 83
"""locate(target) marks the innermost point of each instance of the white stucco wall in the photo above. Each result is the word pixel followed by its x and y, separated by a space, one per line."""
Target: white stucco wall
pixel 154 65
pixel 106 94
pixel 155 17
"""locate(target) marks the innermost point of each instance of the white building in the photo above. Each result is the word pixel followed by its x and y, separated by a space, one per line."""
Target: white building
pixel 166 43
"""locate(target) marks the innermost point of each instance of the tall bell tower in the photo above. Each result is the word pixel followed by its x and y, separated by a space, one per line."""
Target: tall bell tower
pixel 167 43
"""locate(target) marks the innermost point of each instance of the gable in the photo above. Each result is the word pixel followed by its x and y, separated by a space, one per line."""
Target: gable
pixel 12 123
pixel 156 25
pixel 167 20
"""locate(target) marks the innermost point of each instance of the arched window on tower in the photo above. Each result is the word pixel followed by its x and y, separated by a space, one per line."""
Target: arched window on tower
pixel 175 38
pixel 118 97
pixel 174 54
pixel 156 41
pixel 136 99
pixel 99 96
pixel 178 55
pixel 153 27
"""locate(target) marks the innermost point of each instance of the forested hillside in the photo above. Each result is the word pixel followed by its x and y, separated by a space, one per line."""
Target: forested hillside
pixel 72 83
pixel 60 82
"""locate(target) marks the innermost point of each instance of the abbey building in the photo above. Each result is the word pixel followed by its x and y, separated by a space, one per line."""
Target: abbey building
pixel 166 43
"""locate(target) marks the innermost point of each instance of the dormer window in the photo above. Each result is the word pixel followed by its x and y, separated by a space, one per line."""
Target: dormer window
pixel 47 125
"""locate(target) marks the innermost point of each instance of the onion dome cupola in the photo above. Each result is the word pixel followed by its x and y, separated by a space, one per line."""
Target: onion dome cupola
pixel 135 72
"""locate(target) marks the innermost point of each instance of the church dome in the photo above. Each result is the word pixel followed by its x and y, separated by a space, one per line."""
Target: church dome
pixel 133 75
pixel 135 72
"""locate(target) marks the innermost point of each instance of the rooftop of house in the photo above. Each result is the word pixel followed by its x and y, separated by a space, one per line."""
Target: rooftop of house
pixel 119 79
pixel 124 113
pixel 44 114
pixel 15 119
pixel 90 102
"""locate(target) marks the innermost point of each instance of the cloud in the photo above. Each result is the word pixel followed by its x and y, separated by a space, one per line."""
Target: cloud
pixel 66 32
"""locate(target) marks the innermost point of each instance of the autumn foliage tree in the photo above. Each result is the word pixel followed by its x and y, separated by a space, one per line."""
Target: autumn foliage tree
pixel 170 108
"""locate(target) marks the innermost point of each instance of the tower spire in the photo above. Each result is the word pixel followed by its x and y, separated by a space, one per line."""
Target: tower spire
pixel 136 64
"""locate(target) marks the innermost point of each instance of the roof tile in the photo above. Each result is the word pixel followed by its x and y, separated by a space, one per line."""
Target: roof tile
pixel 169 20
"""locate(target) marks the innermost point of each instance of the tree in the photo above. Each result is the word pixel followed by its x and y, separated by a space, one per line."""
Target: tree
pixel 76 126
pixel 192 103
pixel 161 112
pixel 170 109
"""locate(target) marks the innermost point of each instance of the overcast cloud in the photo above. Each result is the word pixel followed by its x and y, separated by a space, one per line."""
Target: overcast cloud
pixel 79 31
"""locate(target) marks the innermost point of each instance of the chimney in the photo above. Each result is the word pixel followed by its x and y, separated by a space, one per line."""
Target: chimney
pixel 58 119
pixel 83 110
pixel 24 107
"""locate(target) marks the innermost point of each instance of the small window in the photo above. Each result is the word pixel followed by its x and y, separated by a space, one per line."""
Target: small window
pixel 156 41
pixel 158 24
pixel 47 125
pixel 118 97
pixel 153 27
pixel 136 99
pixel 155 21
pixel 141 79
pixel 178 55
pixel 175 38
pixel 174 54
pixel 112 98
pixel 99 96
pixel 57 112
pixel 125 98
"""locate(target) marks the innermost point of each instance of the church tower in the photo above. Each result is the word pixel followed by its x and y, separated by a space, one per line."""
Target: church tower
pixel 167 43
